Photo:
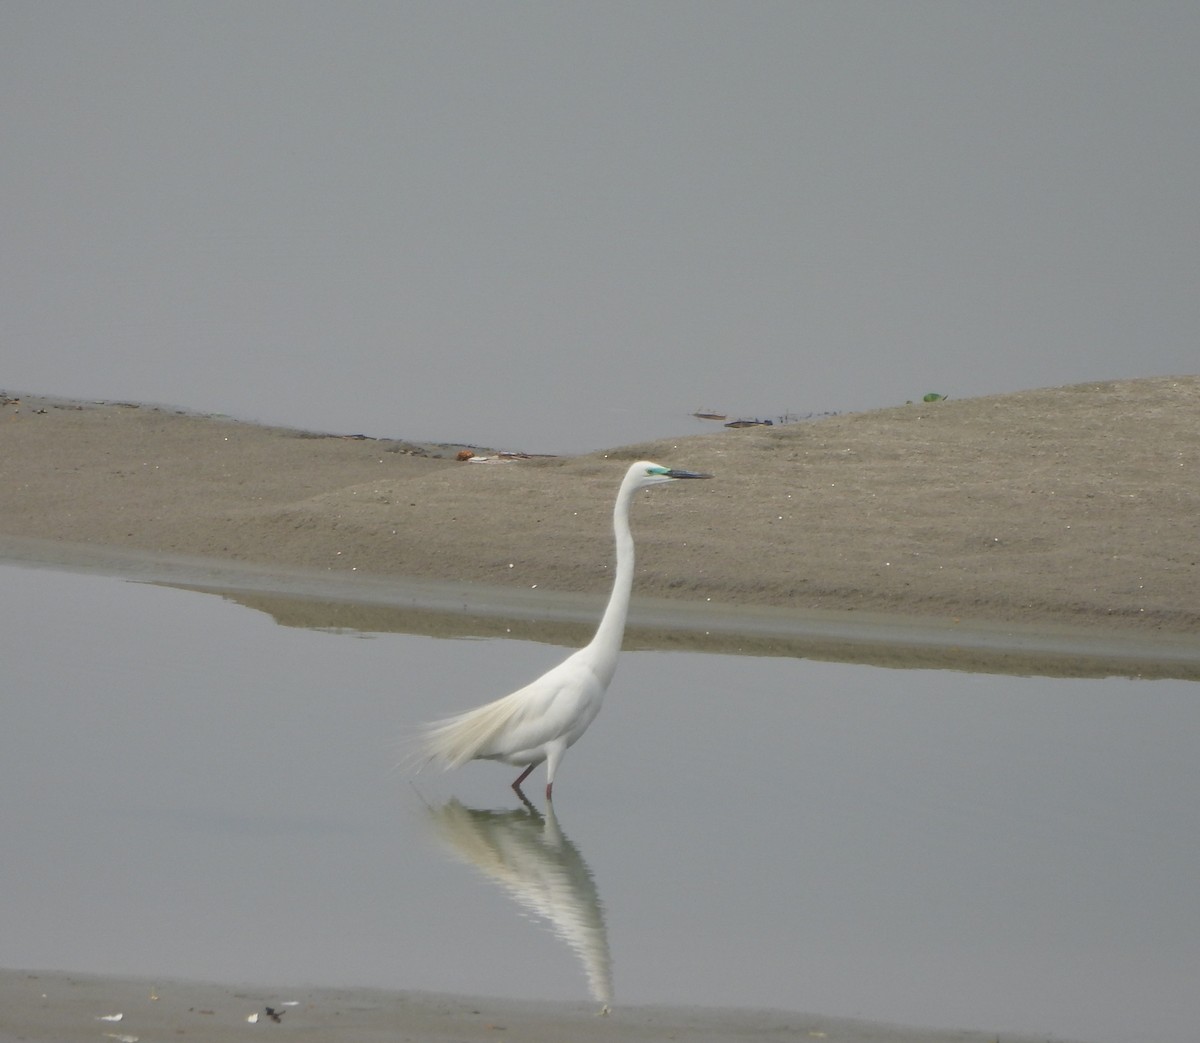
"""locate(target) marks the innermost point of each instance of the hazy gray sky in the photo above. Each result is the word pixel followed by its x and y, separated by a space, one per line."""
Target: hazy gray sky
pixel 564 226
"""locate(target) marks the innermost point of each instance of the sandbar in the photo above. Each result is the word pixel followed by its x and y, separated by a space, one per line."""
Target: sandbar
pixel 1049 531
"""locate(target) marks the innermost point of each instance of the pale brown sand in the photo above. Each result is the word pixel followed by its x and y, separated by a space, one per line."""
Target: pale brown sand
pixel 1001 522
pixel 45 1007
pixel 1023 529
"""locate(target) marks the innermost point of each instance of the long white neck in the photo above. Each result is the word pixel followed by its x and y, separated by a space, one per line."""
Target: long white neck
pixel 606 645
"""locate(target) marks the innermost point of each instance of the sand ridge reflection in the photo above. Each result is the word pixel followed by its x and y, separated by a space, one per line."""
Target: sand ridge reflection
pixel 530 857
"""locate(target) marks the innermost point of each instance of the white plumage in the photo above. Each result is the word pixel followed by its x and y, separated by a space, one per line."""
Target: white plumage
pixel 542 720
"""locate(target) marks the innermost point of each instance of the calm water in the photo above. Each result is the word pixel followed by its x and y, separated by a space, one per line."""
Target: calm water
pixel 190 790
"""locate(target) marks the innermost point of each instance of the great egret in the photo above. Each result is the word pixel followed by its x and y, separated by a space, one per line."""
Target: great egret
pixel 542 720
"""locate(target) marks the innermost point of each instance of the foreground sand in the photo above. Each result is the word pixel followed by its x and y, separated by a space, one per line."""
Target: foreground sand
pixel 1034 526
pixel 45 1007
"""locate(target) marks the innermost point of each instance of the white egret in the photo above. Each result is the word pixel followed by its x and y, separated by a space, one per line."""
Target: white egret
pixel 542 720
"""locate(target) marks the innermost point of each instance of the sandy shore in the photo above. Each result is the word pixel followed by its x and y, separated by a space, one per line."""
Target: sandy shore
pixel 1051 531
pixel 1013 532
pixel 66 1008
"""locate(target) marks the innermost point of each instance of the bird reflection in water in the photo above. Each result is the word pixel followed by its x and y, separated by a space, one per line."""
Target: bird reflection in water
pixel 528 855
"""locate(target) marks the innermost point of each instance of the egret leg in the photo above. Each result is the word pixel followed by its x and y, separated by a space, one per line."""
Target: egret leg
pixel 553 756
pixel 522 777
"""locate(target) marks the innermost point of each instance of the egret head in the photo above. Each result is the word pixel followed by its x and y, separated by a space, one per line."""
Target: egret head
pixel 646 473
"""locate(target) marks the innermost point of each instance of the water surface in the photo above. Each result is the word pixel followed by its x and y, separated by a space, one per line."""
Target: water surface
pixel 190 790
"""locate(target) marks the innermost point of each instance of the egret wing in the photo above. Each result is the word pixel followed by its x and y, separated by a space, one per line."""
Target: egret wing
pixel 541 712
